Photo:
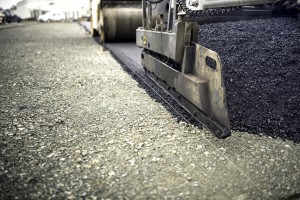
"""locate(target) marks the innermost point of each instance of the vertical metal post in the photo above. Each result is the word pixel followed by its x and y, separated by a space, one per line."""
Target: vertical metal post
pixel 149 16
pixel 144 5
pixel 170 15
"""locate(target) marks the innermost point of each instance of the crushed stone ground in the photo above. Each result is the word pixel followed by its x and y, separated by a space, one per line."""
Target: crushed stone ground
pixel 74 124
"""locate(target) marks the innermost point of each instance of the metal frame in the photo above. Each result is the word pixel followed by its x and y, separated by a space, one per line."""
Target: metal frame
pixel 187 75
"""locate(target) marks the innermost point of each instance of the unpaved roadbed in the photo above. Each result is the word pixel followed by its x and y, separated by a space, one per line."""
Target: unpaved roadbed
pixel 74 124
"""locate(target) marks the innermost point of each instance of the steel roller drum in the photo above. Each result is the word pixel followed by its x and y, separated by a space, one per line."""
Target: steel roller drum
pixel 119 24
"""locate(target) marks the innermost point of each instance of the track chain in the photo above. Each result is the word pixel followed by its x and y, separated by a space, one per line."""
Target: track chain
pixel 288 4
pixel 204 13
pixel 285 4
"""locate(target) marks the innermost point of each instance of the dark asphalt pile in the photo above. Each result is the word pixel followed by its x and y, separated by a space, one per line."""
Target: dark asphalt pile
pixel 261 65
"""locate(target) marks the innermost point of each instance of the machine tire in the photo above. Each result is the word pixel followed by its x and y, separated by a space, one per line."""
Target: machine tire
pixel 94 32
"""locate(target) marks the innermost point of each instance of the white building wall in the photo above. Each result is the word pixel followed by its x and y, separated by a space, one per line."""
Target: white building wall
pixel 22 11
pixel 73 9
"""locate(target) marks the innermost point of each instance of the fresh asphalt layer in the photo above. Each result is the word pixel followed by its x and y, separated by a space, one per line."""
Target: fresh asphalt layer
pixel 75 124
pixel 261 71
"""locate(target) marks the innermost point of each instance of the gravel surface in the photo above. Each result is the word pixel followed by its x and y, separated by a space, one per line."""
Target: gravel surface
pixel 261 71
pixel 74 124
pixel 128 54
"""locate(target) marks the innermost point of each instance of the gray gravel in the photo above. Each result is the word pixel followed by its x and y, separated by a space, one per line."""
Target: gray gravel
pixel 74 124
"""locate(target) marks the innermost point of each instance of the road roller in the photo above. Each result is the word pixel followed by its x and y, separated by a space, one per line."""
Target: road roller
pixel 115 21
pixel 189 72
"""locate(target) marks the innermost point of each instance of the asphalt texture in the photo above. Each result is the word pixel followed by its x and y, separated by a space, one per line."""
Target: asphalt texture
pixel 74 124
pixel 261 71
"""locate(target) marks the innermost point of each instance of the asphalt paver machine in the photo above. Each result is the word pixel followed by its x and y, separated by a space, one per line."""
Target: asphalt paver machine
pixel 171 56
pixel 189 72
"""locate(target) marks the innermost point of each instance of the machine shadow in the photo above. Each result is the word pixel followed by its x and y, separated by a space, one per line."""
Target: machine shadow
pixel 158 94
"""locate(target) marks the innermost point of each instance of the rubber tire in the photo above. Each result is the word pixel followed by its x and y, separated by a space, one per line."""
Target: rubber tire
pixel 94 32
